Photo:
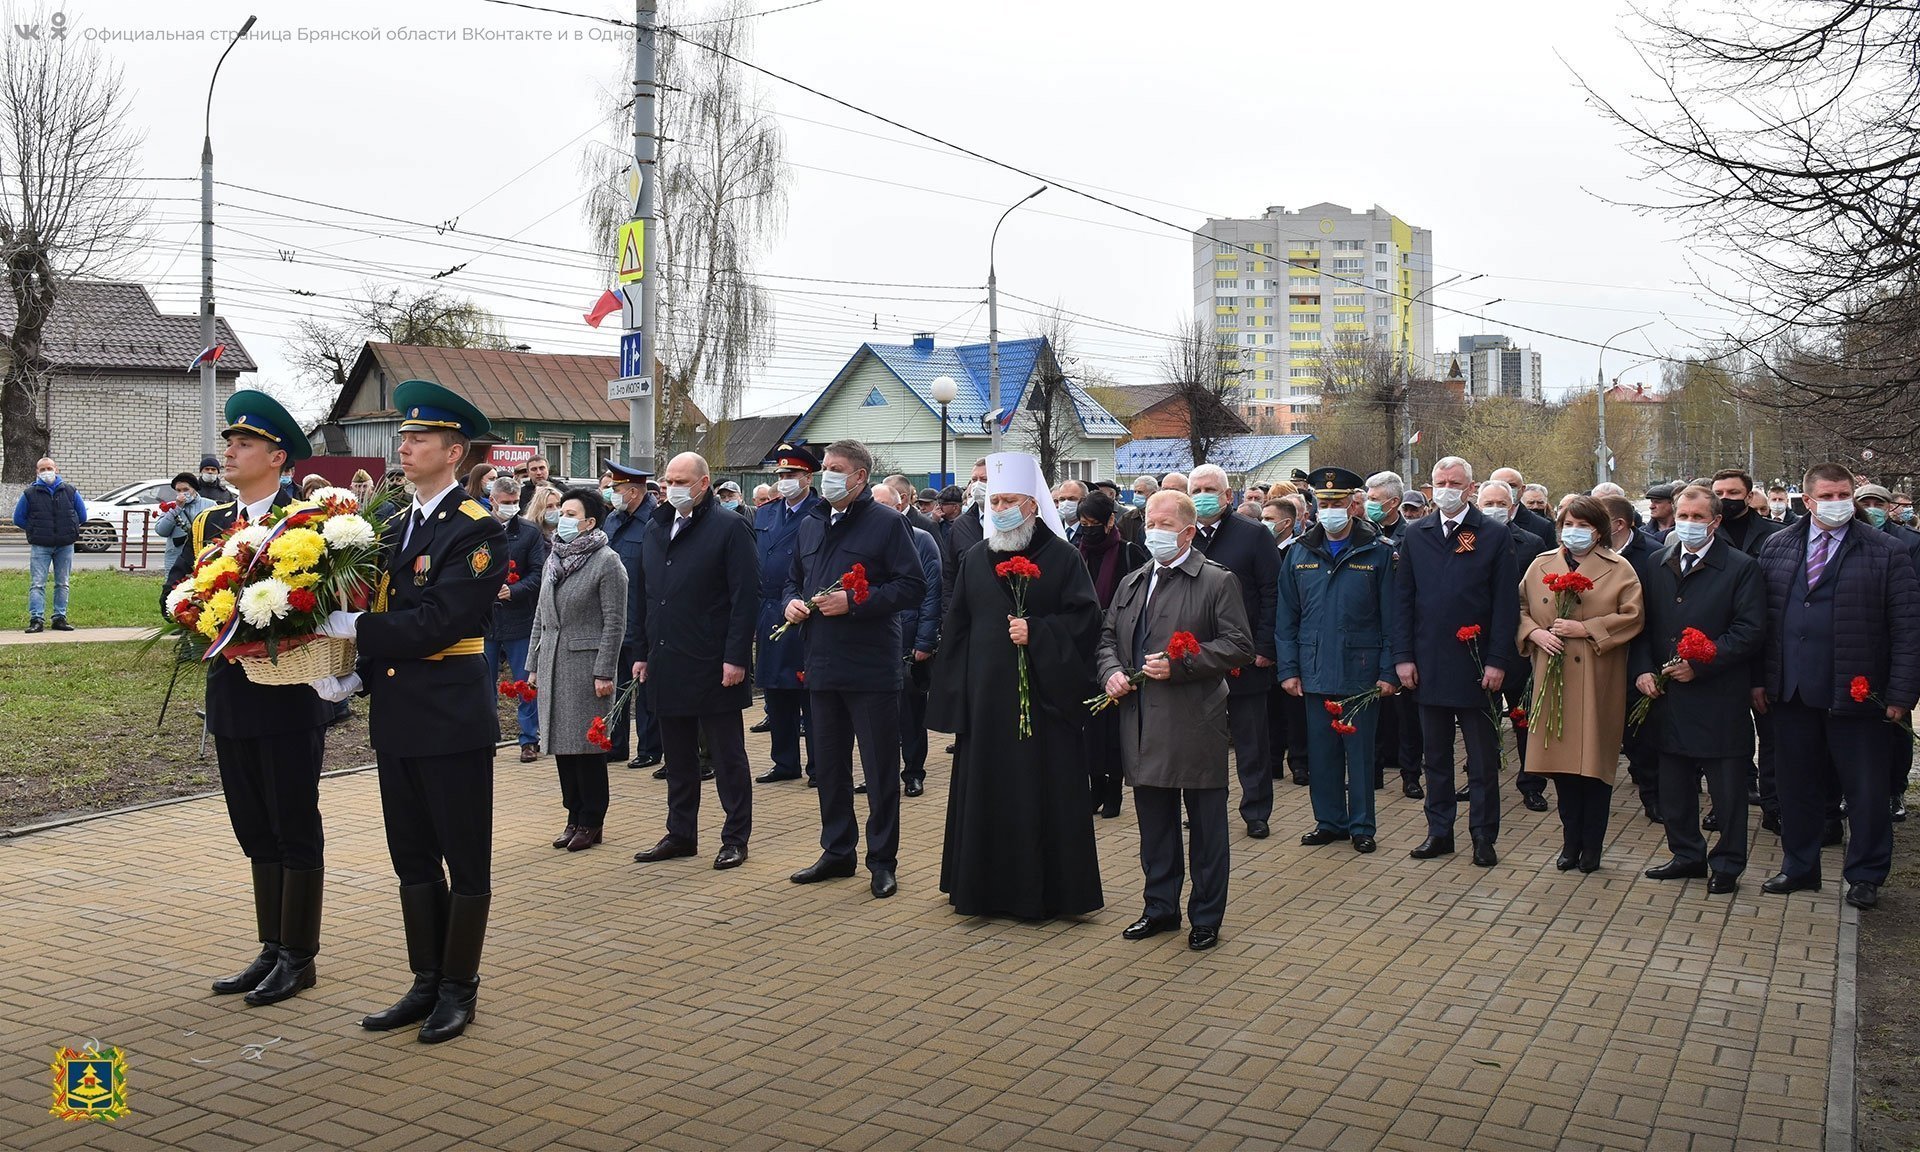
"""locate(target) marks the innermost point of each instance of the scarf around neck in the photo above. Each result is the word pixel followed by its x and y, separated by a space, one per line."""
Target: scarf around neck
pixel 569 556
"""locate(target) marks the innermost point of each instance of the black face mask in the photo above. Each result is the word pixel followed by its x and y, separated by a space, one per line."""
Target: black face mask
pixel 1093 533
pixel 1732 509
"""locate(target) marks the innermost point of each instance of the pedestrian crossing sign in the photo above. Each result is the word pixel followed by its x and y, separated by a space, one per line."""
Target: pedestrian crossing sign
pixel 633 251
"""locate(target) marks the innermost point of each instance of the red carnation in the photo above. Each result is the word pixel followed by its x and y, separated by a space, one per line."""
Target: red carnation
pixel 507 688
pixel 527 691
pixel 513 572
pixel 1344 728
pixel 1333 707
pixel 302 600
pixel 1861 689
pixel 801 676
pixel 1468 634
pixel 597 734
pixel 1182 644
pixel 1234 672
pixel 1695 647
pixel 1519 718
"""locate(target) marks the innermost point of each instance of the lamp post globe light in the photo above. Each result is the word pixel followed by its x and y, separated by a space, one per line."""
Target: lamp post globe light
pixel 944 390
pixel 209 392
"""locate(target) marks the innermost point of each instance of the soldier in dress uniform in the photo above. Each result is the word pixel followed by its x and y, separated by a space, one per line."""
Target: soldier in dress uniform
pixel 433 720
pixel 269 738
pixel 780 664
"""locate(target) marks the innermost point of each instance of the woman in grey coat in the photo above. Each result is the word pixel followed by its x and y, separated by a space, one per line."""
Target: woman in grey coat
pixel 575 644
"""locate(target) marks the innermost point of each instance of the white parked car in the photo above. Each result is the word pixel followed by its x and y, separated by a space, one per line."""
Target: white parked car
pixel 109 512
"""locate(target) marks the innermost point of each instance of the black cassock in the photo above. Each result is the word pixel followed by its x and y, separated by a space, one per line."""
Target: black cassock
pixel 1019 829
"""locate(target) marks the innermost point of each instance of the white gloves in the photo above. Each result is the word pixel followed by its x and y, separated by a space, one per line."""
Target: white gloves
pixel 339 625
pixel 334 689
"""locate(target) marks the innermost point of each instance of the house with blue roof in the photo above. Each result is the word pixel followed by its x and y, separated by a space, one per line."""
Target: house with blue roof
pixel 883 397
pixel 1262 459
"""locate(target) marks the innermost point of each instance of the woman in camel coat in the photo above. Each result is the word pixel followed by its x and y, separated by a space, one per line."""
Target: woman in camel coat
pixel 1592 641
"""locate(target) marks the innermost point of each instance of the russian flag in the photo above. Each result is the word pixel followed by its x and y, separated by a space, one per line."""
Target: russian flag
pixel 208 355
pixel 607 305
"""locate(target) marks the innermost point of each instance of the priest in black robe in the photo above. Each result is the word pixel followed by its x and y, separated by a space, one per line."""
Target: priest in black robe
pixel 1019 837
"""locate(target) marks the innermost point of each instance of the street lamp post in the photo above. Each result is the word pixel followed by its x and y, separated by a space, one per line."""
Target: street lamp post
pixel 1600 468
pixel 209 389
pixel 944 390
pixel 1406 382
pixel 993 323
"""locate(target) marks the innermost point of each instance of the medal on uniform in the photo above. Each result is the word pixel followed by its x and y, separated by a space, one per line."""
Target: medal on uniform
pixel 420 566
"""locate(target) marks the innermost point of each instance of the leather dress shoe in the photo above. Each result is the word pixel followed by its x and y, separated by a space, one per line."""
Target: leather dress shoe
pixel 953 748
pixel 529 753
pixel 912 788
pixel 1321 836
pixel 1110 809
pixel 249 978
pixel 1300 778
pixel 583 838
pixel 1433 846
pixel 1150 926
pixel 1722 884
pixel 1862 895
pixel 1753 797
pixel 859 789
pixel 765 725
pixel 1412 790
pixel 1770 822
pixel 1567 859
pixel 731 856
pixel 1780 884
pixel 294 974
pixel 1589 860
pixel 706 770
pixel 1463 794
pixel 660 773
pixel 775 776
pixel 1534 801
pixel 667 849
pixel 1710 822
pixel 1257 829
pixel 884 885
pixel 1483 854
pixel 1678 870
pixel 825 868
pixel 813 782
pixel 1201 939
pixel 1653 815
pixel 1364 844
pixel 643 761
pixel 566 834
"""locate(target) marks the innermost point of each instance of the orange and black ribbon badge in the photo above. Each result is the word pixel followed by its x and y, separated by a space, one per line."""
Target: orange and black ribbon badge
pixel 1463 541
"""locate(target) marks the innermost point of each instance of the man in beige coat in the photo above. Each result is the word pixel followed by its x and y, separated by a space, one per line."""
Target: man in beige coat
pixel 1173 724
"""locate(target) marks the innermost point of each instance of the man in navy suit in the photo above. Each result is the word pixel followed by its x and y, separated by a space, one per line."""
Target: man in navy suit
pixel 1457 569
pixel 1841 600
pixel 1246 549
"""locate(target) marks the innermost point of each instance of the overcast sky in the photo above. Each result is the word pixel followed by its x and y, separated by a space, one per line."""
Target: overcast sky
pixel 1464 119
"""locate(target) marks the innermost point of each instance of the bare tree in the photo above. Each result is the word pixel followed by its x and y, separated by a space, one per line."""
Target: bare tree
pixel 66 166
pixel 1053 426
pixel 324 351
pixel 1788 137
pixel 1204 376
pixel 721 200
pixel 1361 387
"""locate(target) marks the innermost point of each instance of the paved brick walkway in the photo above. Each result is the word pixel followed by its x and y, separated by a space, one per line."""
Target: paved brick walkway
pixel 77 636
pixel 1354 1003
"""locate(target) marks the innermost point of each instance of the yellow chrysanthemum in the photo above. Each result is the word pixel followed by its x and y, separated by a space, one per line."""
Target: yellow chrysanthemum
pixel 204 578
pixel 206 627
pixel 296 579
pixel 297 549
pixel 219 608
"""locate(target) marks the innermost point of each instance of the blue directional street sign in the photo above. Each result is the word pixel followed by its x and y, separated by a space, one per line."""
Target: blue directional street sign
pixel 633 355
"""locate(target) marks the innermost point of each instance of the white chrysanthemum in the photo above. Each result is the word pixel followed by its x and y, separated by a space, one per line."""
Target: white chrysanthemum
pixel 263 602
pixel 182 592
pixel 347 532
pixel 339 496
pixel 248 537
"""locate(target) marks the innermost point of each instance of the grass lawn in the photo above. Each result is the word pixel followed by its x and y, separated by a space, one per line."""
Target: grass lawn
pixel 97 599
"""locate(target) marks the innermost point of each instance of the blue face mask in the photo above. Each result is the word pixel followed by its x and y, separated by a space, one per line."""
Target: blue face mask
pixel 1877 517
pixel 1334 520
pixel 1163 543
pixel 1207 505
pixel 568 528
pixel 1376 511
pixel 1008 519
pixel 609 496
pixel 730 505
pixel 1578 541
pixel 1692 533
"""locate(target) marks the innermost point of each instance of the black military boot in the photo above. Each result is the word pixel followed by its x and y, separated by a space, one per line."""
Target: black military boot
pixel 423 911
pixel 459 969
pixel 299 938
pixel 266 914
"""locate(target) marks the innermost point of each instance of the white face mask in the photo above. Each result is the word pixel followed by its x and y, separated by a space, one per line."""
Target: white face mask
pixel 1069 511
pixel 833 487
pixel 1496 514
pixel 48 476
pixel 1778 506
pixel 1578 541
pixel 1832 513
pixel 977 492
pixel 1448 500
pixel 1164 543
pixel 787 486
pixel 680 496
pixel 1692 533
pixel 506 511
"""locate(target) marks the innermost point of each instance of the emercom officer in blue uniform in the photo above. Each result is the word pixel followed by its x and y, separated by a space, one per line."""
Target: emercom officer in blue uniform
pixel 433 720
pixel 1333 638
pixel 779 664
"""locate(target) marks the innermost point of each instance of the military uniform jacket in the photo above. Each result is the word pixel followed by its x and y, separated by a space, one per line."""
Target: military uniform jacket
pixel 441 588
pixel 776 528
pixel 1335 623
pixel 1444 585
pixel 237 708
